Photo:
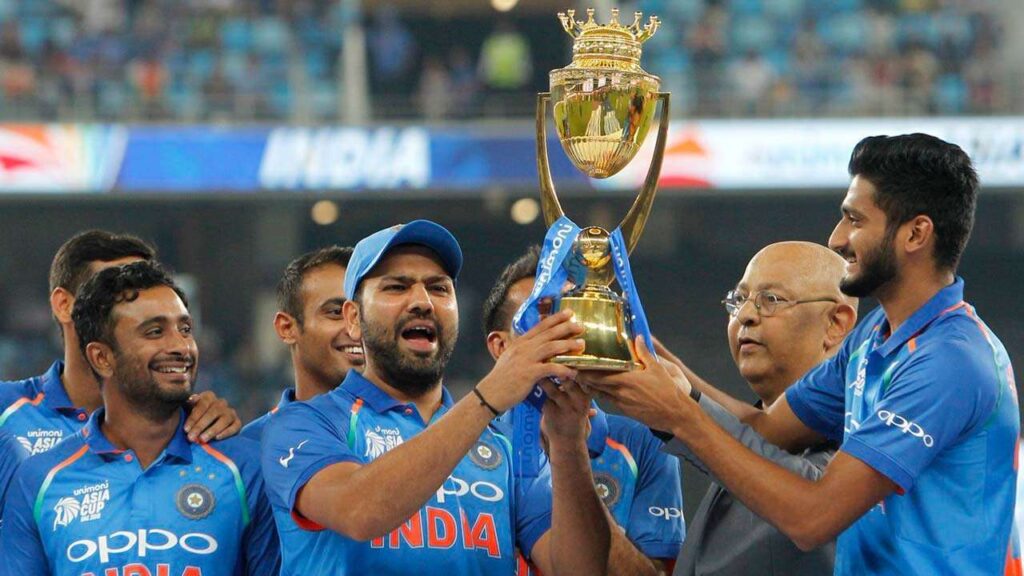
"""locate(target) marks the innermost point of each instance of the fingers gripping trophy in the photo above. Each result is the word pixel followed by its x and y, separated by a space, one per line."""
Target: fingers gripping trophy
pixel 603 105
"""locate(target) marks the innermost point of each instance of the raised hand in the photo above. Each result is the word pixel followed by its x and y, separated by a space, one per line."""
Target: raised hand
pixel 526 360
pixel 657 394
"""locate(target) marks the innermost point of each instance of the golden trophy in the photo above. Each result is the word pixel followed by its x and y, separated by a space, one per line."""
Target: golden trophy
pixel 604 104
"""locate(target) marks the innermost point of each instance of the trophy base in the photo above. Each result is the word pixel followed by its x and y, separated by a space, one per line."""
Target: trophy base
pixel 607 344
pixel 585 362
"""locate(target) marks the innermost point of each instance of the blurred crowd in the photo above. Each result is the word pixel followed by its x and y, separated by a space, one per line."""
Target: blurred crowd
pixel 203 60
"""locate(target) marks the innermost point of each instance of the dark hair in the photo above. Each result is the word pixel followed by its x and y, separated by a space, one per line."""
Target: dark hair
pixel 497 311
pixel 290 285
pixel 94 306
pixel 919 174
pixel 70 267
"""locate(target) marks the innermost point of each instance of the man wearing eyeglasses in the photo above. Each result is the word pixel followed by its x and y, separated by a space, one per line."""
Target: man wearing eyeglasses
pixel 785 316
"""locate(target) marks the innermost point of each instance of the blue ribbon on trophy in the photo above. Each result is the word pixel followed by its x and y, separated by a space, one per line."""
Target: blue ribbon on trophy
pixel 555 268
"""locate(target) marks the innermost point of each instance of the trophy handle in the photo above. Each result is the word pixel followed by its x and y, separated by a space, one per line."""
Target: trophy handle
pixel 633 224
pixel 548 200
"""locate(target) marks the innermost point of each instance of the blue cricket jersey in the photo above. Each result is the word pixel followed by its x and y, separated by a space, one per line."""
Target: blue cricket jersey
pixel 933 407
pixel 38 412
pixel 11 454
pixel 472 525
pixel 255 428
pixel 638 483
pixel 86 508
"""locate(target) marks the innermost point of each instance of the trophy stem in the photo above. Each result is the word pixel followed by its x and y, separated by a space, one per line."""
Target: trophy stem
pixel 548 200
pixel 633 224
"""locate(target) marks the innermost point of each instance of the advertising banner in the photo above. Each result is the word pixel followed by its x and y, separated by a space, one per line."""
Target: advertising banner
pixel 60 158
pixel 716 155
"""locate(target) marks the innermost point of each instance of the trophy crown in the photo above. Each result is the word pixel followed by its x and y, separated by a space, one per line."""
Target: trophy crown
pixel 611 45
pixel 578 28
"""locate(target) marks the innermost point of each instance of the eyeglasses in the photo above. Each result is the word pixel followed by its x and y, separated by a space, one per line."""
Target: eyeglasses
pixel 766 303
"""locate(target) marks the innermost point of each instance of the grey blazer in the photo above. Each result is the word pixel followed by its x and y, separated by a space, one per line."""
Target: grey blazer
pixel 725 537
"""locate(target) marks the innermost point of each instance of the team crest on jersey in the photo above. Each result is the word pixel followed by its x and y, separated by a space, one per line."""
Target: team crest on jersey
pixel 39 441
pixel 85 504
pixel 485 455
pixel 195 501
pixel 381 440
pixel 607 488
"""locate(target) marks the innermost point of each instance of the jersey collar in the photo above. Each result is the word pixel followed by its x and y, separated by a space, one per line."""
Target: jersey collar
pixel 948 297
pixel 287 397
pixel 54 394
pixel 378 400
pixel 597 440
pixel 179 446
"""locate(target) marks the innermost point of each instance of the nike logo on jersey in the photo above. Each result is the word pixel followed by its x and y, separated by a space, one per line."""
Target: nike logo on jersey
pixel 284 460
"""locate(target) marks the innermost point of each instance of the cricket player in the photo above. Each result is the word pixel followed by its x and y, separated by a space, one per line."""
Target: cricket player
pixel 309 320
pixel 129 495
pixel 387 474
pixel 921 395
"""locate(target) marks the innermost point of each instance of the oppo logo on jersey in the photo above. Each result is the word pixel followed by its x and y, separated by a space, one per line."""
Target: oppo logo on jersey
pixel 140 542
pixel 142 570
pixel 668 513
pixel 437 528
pixel 906 426
pixel 481 489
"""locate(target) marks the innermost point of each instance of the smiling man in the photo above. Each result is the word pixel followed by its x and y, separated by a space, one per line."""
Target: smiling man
pixel 388 475
pixel 129 494
pixel 921 395
pixel 310 297
pixel 42 410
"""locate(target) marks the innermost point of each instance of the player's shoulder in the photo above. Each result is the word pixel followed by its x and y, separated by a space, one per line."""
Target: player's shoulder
pixel 13 390
pixel 254 430
pixel 634 435
pixel 65 454
pixel 238 448
pixel 326 415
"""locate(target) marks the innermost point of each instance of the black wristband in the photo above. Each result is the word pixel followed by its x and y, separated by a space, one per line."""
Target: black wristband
pixel 484 402
pixel 695 394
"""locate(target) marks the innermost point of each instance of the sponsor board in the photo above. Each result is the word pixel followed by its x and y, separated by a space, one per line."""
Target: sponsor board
pixel 802 154
pixel 60 158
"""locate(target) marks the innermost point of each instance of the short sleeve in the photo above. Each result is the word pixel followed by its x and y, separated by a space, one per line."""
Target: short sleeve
pixel 297 443
pixel 532 508
pixel 940 392
pixel 656 524
pixel 24 554
pixel 819 398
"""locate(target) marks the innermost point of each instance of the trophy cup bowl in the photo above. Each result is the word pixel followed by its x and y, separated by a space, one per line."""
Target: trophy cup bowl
pixel 603 105
pixel 602 116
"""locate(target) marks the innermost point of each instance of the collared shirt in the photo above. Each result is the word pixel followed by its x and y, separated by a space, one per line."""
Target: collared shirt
pixel 255 428
pixel 471 525
pixel 933 407
pixel 88 508
pixel 38 412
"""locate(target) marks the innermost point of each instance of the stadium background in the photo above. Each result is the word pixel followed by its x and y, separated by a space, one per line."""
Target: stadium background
pixel 237 134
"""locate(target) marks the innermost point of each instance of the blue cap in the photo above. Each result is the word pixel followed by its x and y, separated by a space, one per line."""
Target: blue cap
pixel 371 249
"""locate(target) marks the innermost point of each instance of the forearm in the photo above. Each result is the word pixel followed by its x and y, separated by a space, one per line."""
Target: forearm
pixel 378 497
pixel 624 559
pixel 580 530
pixel 796 506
